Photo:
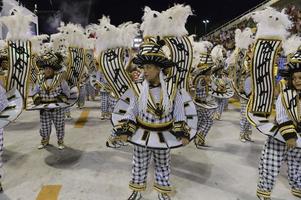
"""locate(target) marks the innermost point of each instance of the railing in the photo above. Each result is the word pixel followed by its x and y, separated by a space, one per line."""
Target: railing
pixel 240 16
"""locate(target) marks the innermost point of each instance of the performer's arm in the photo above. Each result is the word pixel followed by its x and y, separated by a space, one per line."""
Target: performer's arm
pixel 66 89
pixel 127 125
pixel 3 99
pixel 287 128
pixel 180 129
pixel 201 90
pixel 35 94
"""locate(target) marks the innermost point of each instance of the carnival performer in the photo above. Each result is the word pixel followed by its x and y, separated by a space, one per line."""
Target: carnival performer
pixel 82 89
pixel 276 152
pixel 51 88
pixel 206 105
pixel 242 81
pixel 219 86
pixel 150 113
pixel 165 115
pixel 3 105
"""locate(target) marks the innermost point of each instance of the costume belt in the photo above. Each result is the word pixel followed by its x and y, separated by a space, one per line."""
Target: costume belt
pixel 155 126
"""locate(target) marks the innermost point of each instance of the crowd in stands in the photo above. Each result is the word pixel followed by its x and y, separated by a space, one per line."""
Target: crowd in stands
pixel 226 37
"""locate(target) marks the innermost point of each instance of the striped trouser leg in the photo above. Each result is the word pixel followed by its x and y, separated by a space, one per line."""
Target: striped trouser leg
pixel 58 119
pixel 46 122
pixel 205 121
pixel 221 105
pixel 294 170
pixel 112 103
pixel 104 98
pixel 245 125
pixel 162 170
pixel 1 152
pixel 272 156
pixel 141 160
pixel 82 96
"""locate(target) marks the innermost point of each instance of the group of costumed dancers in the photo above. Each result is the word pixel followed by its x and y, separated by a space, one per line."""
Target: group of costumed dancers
pixel 164 94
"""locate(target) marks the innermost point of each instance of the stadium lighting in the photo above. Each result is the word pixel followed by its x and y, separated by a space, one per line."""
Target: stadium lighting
pixel 206 21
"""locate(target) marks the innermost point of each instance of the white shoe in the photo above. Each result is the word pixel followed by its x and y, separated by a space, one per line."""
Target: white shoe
pixel 44 143
pixel 248 138
pixel 162 196
pixel 61 145
pixel 242 137
pixel 135 196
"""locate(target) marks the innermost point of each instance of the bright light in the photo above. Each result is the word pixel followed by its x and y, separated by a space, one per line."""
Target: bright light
pixel 206 21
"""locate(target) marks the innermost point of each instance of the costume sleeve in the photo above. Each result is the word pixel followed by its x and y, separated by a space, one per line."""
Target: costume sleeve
pixel 132 111
pixel 178 112
pixel 65 88
pixel 35 92
pixel 286 125
pixel 201 90
pixel 3 99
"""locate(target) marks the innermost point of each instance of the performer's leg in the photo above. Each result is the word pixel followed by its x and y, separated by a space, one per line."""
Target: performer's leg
pixel 245 126
pixel 162 172
pixel 59 123
pixel 205 122
pixel 104 106
pixel 141 160
pixel 294 170
pixel 1 161
pixel 270 162
pixel 82 96
pixel 67 112
pixel 45 130
pixel 112 103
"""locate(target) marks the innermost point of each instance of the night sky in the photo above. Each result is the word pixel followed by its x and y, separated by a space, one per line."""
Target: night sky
pixel 84 12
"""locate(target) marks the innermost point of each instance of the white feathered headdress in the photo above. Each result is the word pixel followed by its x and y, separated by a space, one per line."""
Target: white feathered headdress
pixel 37 43
pixel 174 20
pixel 110 36
pixel 58 43
pixel 243 39
pixel 17 24
pixel 151 22
pixel 217 53
pixel 271 23
pixel 74 34
pixel 291 45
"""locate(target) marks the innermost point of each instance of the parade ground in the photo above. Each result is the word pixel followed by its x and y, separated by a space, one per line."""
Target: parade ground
pixel 87 170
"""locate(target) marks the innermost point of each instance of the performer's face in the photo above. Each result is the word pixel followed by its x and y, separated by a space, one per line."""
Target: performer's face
pixel 48 71
pixel 151 72
pixel 297 80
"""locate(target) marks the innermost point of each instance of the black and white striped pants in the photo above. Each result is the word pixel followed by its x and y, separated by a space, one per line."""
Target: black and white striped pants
pixel 245 125
pixel 141 160
pixel 55 116
pixel 273 155
pixel 1 152
pixel 105 100
pixel 205 120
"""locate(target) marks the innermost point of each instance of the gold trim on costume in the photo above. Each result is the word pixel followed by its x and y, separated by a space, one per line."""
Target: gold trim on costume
pixel 152 125
pixel 137 187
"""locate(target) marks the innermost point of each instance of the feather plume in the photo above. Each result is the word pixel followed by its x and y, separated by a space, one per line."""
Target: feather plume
pixel 243 39
pixel 17 24
pixel 271 23
pixel 217 53
pixel 174 20
pixel 37 43
pixel 291 45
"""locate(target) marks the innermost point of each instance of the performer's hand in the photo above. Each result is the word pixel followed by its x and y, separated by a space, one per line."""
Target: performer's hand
pixel 37 101
pixel 185 141
pixel 291 143
pixel 62 98
pixel 123 138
